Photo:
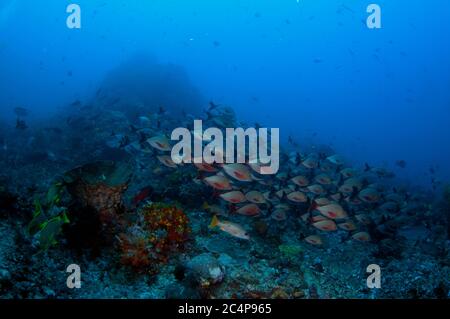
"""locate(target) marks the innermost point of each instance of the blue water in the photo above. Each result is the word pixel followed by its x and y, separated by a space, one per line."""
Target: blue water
pixel 311 68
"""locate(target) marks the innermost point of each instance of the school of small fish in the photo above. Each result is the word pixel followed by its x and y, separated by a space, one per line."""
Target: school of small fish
pixel 317 189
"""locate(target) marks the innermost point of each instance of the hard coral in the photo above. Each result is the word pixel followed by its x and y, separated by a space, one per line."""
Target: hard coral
pixel 163 230
pixel 168 224
pixel 100 186
pixel 135 252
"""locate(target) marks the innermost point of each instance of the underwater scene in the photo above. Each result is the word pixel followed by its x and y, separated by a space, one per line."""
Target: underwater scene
pixel 253 149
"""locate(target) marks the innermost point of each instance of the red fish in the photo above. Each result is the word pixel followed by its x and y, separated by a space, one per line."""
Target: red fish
pixel 249 210
pixel 314 240
pixel 142 195
pixel 361 236
pixel 325 225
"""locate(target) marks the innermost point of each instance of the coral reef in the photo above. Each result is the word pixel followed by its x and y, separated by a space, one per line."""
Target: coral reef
pixel 140 230
pixel 161 231
pixel 100 186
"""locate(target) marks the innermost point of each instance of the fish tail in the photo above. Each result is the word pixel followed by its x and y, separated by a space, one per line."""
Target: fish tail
pixel 214 222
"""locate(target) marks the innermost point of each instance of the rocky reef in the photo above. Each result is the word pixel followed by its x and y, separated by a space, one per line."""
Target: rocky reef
pixel 138 228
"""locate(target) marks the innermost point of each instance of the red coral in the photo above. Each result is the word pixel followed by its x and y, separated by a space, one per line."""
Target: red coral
pixel 165 229
pixel 134 252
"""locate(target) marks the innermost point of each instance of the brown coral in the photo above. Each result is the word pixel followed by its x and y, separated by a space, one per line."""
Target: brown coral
pixel 100 186
pixel 107 201
pixel 134 252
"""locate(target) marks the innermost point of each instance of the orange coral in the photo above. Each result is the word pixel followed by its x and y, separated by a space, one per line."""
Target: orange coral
pixel 165 229
pixel 170 219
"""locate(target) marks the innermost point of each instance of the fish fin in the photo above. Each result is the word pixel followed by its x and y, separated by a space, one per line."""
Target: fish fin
pixel 366 167
pixel 205 205
pixel 214 222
